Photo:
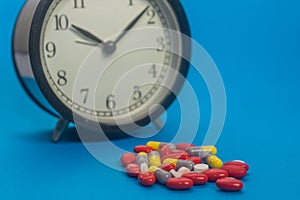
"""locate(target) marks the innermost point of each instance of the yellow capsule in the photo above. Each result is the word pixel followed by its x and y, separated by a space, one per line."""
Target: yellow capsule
pixel 210 149
pixel 214 162
pixel 154 159
pixel 152 169
pixel 153 145
pixel 170 161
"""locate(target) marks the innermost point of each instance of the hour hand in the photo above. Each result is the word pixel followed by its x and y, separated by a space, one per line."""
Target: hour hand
pixel 87 34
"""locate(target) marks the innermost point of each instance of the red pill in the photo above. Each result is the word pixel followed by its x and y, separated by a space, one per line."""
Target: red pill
pixel 164 150
pixel 179 183
pixel 133 170
pixel 142 148
pixel 181 156
pixel 195 159
pixel 235 171
pixel 127 158
pixel 215 174
pixel 241 164
pixel 184 146
pixel 168 167
pixel 147 178
pixel 229 184
pixel 197 178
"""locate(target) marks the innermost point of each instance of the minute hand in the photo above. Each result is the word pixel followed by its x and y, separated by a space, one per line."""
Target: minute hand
pixel 129 27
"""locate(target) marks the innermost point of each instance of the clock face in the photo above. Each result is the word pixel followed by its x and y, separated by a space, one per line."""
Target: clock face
pixel 101 72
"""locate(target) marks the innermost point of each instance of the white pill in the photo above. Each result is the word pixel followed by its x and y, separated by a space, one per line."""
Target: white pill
pixel 201 167
pixel 174 173
pixel 144 167
pixel 180 172
pixel 183 170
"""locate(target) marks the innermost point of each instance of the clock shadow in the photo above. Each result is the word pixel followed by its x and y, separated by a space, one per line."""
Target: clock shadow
pixel 70 135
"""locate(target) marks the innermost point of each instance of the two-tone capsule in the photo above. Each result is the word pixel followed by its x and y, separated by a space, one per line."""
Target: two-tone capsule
pixel 154 159
pixel 161 175
pixel 156 145
pixel 199 150
pixel 211 159
pixel 180 163
pixel 142 158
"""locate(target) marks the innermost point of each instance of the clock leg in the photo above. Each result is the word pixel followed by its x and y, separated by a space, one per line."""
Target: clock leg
pixel 158 123
pixel 61 126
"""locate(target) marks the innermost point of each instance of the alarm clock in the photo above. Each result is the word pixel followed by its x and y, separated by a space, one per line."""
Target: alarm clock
pixel 53 38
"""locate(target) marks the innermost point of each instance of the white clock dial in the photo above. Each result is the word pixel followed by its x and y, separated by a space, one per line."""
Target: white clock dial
pixel 78 33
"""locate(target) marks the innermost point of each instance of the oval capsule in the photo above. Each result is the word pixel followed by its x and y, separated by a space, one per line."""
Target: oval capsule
pixel 142 148
pixel 196 160
pixel 215 174
pixel 235 171
pixel 230 184
pixel 128 158
pixel 168 167
pixel 197 178
pixel 179 183
pixel 238 163
pixel 147 178
pixel 133 170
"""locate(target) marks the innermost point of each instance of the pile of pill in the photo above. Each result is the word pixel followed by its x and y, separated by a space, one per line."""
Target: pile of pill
pixel 180 166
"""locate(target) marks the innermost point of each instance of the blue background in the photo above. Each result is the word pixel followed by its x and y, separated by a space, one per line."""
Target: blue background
pixel 255 44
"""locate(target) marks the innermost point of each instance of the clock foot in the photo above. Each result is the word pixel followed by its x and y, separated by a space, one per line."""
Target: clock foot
pixel 61 126
pixel 158 123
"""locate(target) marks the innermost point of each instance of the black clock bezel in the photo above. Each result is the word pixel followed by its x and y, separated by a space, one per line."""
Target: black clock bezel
pixel 61 108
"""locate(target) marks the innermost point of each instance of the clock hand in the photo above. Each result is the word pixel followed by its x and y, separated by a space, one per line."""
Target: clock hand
pixel 132 23
pixel 87 34
pixel 86 43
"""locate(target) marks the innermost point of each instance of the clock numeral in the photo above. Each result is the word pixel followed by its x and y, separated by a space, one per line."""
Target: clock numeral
pixel 62 78
pixel 62 22
pixel 51 49
pixel 151 13
pixel 110 102
pixel 137 94
pixel 85 93
pixel 130 2
pixel 161 42
pixel 79 4
pixel 153 71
